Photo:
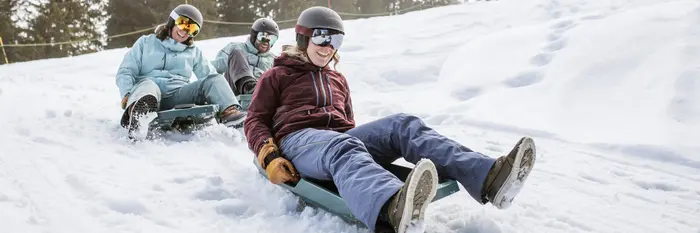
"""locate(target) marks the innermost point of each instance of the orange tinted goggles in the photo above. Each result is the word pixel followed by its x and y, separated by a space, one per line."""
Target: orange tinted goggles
pixel 186 24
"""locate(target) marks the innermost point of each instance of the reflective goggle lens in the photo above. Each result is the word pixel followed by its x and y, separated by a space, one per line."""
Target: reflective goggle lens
pixel 267 37
pixel 325 37
pixel 187 25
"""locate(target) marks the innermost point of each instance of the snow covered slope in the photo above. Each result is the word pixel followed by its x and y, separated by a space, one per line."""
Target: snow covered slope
pixel 610 90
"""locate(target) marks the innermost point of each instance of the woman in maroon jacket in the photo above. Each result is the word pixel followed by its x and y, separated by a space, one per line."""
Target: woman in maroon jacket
pixel 301 119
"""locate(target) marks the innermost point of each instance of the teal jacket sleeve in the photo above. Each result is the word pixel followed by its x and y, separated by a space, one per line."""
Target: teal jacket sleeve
pixel 202 67
pixel 221 60
pixel 130 67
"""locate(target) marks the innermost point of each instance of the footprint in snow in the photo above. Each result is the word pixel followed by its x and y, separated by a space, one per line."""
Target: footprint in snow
pixel 593 16
pixel 524 79
pixel 593 179
pixel 574 10
pixel 466 93
pixel 50 114
pixel 542 59
pixel 554 37
pixel 564 25
pixel 127 206
pixel 555 14
pixel 23 131
pixel 555 45
pixel 658 186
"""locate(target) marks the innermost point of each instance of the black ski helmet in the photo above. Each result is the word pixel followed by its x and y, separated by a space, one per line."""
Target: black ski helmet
pixel 316 17
pixel 263 25
pixel 188 11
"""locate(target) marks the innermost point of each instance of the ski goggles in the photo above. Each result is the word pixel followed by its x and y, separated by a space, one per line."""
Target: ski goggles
pixel 325 37
pixel 186 24
pixel 266 37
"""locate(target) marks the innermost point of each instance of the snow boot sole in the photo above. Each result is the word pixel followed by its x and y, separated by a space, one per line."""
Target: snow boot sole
pixel 520 170
pixel 419 193
pixel 236 124
pixel 141 107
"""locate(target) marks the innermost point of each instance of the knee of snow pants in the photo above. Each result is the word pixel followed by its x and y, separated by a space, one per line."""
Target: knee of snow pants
pixel 407 136
pixel 217 91
pixel 210 90
pixel 328 155
pixel 238 68
pixel 143 88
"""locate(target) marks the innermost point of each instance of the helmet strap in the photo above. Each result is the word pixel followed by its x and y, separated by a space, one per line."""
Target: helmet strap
pixel 253 36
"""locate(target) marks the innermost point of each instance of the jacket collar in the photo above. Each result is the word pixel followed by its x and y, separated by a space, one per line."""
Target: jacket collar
pixel 250 47
pixel 173 45
pixel 297 63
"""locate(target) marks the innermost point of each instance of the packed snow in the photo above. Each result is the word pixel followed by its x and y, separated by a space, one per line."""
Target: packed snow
pixel 609 90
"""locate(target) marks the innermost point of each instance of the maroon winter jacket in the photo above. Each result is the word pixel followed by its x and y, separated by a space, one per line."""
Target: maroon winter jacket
pixel 294 95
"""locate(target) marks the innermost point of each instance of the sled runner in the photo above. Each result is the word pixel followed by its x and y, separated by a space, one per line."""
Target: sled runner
pixel 324 194
pixel 184 118
pixel 187 118
pixel 244 100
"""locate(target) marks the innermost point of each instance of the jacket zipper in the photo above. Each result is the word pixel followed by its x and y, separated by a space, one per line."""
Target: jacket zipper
pixel 257 62
pixel 320 77
pixel 323 89
pixel 313 78
pixel 165 58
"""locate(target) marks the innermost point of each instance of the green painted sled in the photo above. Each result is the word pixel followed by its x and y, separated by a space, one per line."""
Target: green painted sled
pixel 245 100
pixel 324 194
pixel 184 118
pixel 187 118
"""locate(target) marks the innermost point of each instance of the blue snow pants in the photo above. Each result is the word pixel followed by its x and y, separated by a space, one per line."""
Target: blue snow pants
pixel 352 160
pixel 213 89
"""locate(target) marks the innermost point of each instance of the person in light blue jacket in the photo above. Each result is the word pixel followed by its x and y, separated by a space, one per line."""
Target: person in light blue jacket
pixel 155 73
pixel 242 63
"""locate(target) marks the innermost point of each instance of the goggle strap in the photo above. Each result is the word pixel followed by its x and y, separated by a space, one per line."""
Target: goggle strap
pixel 304 30
pixel 174 15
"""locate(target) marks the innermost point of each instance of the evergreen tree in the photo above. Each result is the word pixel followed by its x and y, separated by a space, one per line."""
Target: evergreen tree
pixel 239 11
pixel 127 16
pixel 8 30
pixel 65 20
pixel 436 3
pixel 281 10
pixel 374 6
pixel 344 7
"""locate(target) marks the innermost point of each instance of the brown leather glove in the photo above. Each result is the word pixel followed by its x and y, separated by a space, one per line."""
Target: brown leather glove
pixel 278 169
pixel 124 101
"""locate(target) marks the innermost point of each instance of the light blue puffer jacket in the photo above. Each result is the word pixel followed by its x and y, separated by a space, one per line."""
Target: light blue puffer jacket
pixel 259 62
pixel 168 63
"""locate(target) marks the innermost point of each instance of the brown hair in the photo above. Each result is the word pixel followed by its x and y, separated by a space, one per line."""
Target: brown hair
pixel 294 51
pixel 163 32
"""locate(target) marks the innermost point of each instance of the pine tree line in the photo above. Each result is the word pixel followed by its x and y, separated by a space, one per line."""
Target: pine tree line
pixel 31 22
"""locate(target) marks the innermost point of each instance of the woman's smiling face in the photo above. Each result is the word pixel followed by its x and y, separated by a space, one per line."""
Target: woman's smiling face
pixel 179 35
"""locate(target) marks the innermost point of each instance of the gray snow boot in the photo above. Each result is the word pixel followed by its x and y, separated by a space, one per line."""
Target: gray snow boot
pixel 508 174
pixel 410 202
